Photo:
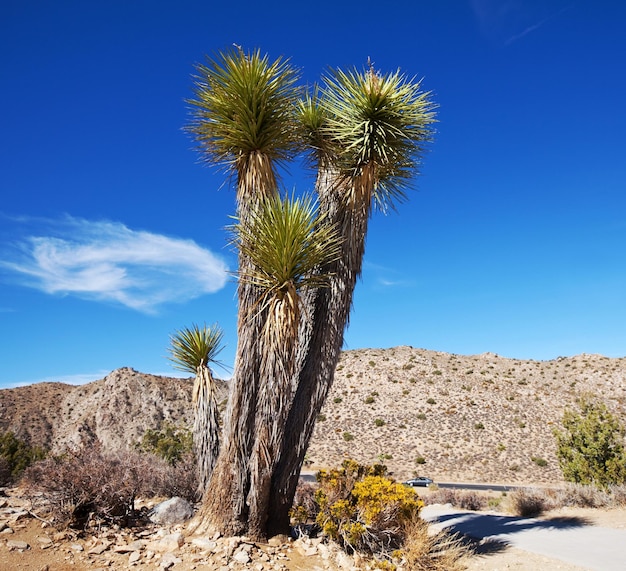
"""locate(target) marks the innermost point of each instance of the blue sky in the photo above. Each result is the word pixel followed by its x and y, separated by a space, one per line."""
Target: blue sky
pixel 112 232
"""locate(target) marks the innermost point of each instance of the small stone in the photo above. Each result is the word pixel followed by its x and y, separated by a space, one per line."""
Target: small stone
pixel 204 543
pixel 100 548
pixel 169 560
pixel 127 548
pixel 8 530
pixel 170 542
pixel 134 557
pixel 15 544
pixel 278 540
pixel 241 557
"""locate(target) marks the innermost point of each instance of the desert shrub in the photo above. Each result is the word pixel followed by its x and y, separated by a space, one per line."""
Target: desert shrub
pixel 541 462
pixel 471 501
pixel 362 509
pixel 425 551
pixel 169 442
pixel 529 502
pixel 442 496
pixel 5 472
pixel 347 436
pixel 578 495
pixel 466 500
pixel 89 485
pixel 618 496
pixel 590 448
pixel 18 455
pixel 304 508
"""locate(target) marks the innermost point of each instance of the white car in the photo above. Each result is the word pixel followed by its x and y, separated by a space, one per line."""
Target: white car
pixel 420 482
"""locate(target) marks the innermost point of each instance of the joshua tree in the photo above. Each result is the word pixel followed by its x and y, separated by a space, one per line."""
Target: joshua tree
pixel 192 349
pixel 243 121
pixel 285 241
pixel 368 131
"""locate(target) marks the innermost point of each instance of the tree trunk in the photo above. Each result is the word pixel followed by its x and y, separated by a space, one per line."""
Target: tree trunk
pixel 322 349
pixel 277 368
pixel 206 426
pixel 224 506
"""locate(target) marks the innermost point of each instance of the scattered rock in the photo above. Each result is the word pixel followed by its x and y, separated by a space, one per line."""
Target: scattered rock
pixel 204 543
pixel 174 510
pixel 169 560
pixel 44 542
pixel 100 547
pixel 242 557
pixel 278 540
pixel 166 544
pixel 19 545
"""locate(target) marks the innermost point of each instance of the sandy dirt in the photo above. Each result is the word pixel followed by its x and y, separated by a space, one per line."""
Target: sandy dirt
pixel 50 550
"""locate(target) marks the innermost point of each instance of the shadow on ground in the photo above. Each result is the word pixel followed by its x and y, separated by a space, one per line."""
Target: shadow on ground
pixel 478 525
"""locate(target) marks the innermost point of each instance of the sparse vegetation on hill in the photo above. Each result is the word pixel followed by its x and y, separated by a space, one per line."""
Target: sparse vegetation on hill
pixel 518 418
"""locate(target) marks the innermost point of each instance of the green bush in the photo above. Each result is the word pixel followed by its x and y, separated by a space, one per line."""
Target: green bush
pixel 590 448
pixel 18 455
pixel 169 442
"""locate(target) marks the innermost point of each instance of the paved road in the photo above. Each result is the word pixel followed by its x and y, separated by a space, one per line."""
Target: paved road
pixel 481 487
pixel 309 476
pixel 571 540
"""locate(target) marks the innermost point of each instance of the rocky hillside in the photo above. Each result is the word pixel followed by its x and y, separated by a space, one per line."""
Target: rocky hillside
pixel 116 410
pixel 451 417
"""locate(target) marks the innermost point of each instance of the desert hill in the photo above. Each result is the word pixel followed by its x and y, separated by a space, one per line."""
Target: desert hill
pixel 116 410
pixel 451 417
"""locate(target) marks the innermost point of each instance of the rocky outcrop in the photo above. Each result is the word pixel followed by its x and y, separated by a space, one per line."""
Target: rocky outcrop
pixel 116 410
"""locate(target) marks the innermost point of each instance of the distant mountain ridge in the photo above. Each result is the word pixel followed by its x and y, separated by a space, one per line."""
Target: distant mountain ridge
pixel 452 417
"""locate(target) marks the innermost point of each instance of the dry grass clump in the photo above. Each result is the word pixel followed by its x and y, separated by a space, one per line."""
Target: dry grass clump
pixel 424 551
pixel 582 496
pixel 529 502
pixel 88 485
pixel 466 500
pixel 618 495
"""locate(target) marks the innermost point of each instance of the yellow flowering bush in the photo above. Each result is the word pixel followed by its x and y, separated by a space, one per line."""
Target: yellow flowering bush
pixel 364 510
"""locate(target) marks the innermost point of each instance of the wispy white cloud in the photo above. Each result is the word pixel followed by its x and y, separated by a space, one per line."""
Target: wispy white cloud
pixel 525 32
pixel 507 21
pixel 107 261
pixel 386 277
